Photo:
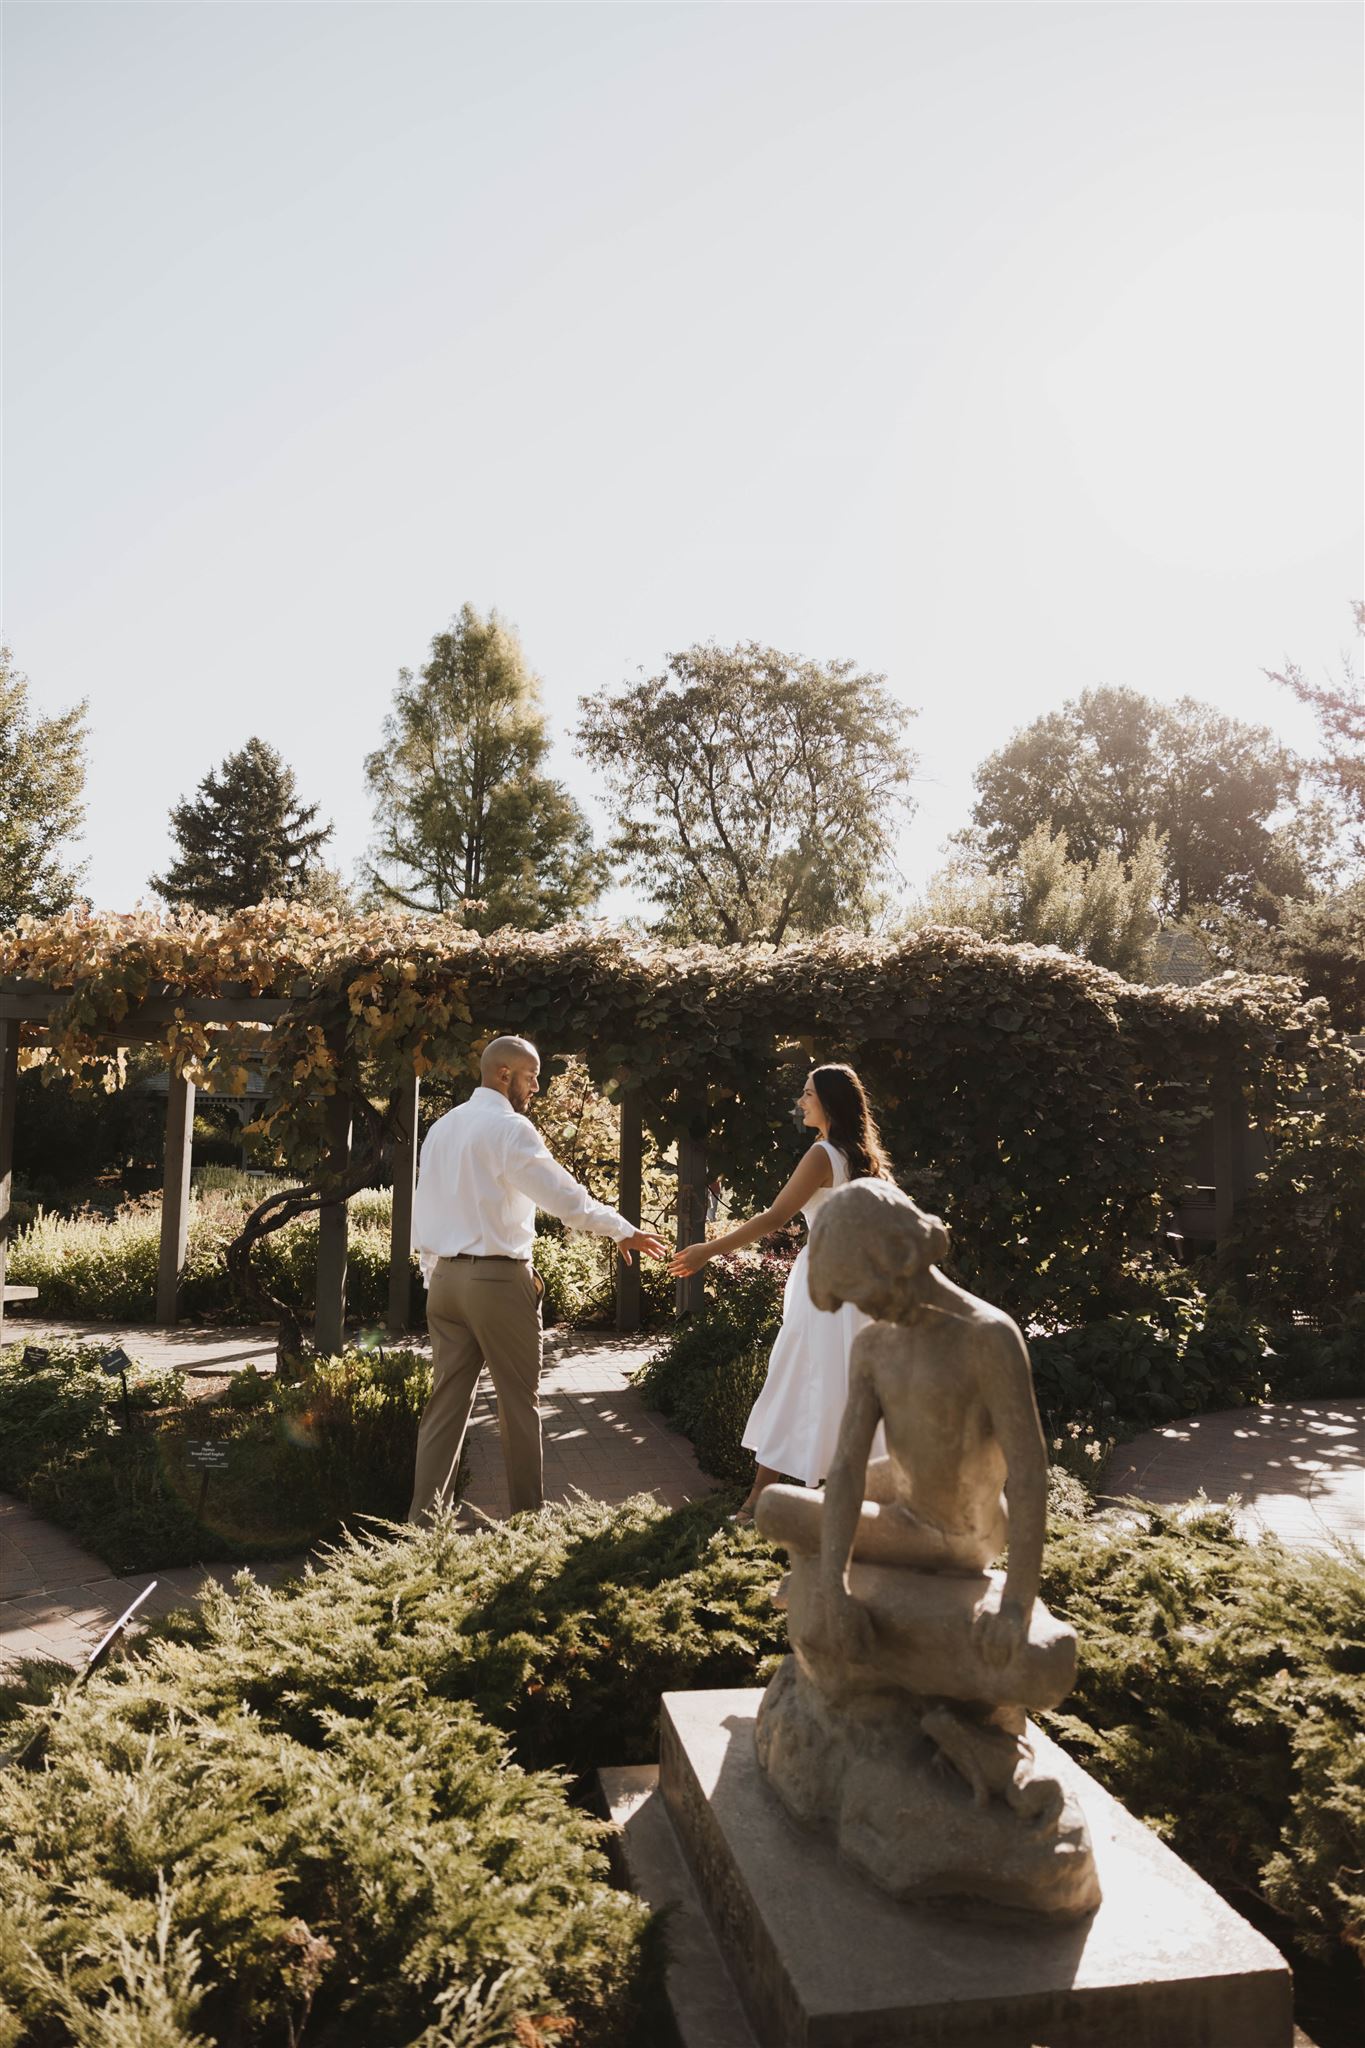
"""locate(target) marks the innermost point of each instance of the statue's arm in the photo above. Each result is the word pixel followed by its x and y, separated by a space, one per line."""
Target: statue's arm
pixel 1014 1416
pixel 844 1626
pixel 847 1477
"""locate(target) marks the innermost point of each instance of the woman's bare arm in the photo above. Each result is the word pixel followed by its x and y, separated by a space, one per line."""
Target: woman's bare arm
pixel 813 1173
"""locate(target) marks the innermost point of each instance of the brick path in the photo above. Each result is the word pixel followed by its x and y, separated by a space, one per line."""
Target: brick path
pixel 57 1600
pixel 1298 1467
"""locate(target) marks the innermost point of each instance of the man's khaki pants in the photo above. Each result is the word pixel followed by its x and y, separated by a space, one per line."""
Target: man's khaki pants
pixel 481 1312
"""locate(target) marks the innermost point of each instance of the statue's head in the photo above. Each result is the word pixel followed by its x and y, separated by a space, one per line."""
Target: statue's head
pixel 871 1245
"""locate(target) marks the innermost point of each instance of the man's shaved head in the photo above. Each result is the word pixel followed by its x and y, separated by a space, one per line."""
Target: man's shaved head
pixel 506 1052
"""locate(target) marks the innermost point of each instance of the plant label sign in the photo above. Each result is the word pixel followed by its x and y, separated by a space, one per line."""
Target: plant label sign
pixel 205 1455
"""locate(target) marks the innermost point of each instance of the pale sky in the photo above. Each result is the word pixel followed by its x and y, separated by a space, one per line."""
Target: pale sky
pixel 1005 349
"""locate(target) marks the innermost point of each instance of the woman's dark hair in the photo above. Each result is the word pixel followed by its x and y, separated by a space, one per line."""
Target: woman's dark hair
pixel 852 1126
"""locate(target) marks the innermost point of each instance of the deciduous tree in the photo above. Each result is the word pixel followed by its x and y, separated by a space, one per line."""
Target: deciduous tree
pixel 462 814
pixel 759 792
pixel 245 837
pixel 42 777
pixel 1113 765
pixel 1340 709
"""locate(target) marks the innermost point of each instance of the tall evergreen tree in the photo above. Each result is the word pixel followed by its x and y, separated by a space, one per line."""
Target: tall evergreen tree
pixel 1104 910
pixel 462 813
pixel 244 838
pixel 42 777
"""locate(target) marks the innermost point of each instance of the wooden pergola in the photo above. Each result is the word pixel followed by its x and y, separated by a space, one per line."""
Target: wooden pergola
pixel 1228 1152
pixel 31 1003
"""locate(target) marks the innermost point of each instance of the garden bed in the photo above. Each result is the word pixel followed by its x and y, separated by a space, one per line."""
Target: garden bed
pixel 1221 1696
pixel 290 1461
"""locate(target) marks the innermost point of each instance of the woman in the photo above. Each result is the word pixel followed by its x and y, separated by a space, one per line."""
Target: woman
pixel 794 1423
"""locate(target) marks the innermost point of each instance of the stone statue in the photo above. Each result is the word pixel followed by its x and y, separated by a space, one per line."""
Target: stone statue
pixel 899 1720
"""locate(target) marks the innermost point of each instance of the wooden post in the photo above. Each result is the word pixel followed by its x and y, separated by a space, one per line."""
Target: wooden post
pixel 329 1321
pixel 404 1187
pixel 1232 1172
pixel 690 1294
pixel 628 1189
pixel 9 1088
pixel 175 1196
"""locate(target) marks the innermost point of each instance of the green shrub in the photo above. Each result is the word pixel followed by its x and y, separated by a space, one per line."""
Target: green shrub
pixel 302 1456
pixel 580 1277
pixel 562 1628
pixel 1221 1697
pixel 104 1268
pixel 1221 1693
pixel 1183 1354
pixel 726 1403
pixel 378 1871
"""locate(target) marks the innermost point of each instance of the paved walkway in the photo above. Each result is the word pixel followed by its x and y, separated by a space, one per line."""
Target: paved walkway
pixel 57 1600
pixel 209 1349
pixel 1297 1467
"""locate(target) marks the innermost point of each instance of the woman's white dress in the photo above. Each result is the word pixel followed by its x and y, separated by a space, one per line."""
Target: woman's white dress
pixel 793 1426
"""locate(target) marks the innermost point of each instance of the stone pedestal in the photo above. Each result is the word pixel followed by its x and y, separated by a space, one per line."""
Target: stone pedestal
pixel 822 1959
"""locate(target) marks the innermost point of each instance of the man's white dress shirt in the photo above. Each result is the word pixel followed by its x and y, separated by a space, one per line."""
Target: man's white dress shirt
pixel 485 1170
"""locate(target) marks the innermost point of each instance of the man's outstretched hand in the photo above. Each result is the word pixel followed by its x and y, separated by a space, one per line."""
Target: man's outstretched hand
pixel 643 1241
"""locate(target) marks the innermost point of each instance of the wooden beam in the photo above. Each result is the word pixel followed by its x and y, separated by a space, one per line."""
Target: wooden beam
pixel 175 1197
pixel 629 1156
pixel 35 1001
pixel 404 1187
pixel 690 1294
pixel 9 1088
pixel 329 1321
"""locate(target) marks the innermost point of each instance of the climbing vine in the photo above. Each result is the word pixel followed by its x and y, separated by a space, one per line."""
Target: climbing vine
pixel 1044 1105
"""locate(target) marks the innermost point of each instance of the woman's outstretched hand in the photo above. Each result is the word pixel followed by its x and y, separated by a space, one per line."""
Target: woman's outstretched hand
pixel 688 1261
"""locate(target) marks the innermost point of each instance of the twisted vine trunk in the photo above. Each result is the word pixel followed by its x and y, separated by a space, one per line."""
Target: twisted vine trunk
pixel 373 1134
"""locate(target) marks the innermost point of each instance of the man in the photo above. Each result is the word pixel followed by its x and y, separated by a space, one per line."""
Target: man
pixel 485 1170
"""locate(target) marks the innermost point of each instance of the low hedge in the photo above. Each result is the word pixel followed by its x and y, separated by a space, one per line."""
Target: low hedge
pixel 188 1870
pixel 302 1456
pixel 562 1628
pixel 1221 1696
pixel 104 1267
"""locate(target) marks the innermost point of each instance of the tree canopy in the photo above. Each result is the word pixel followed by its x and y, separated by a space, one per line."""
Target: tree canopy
pixel 1112 765
pixel 1340 709
pixel 244 838
pixel 759 792
pixel 1320 942
pixel 463 818
pixel 42 778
